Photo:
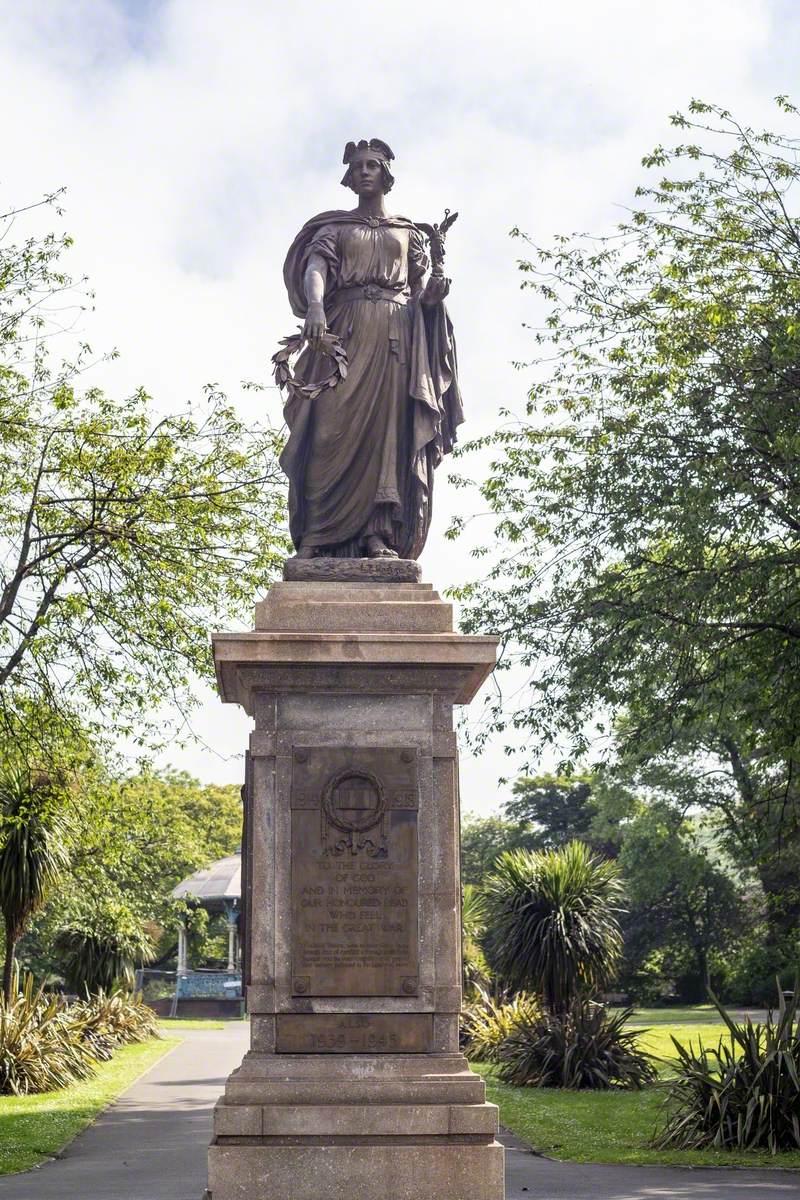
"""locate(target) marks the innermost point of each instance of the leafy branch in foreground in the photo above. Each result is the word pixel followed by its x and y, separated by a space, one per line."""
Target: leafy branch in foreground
pixel 123 534
pixel 648 506
pixel 646 558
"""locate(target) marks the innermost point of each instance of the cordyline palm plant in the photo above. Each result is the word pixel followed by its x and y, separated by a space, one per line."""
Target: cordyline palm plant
pixel 742 1095
pixel 583 1047
pixel 553 922
pixel 32 851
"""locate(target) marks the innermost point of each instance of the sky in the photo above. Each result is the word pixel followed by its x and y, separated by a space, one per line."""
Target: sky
pixel 194 137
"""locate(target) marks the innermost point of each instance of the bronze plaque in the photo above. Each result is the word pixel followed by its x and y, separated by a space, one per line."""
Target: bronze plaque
pixel 354 1033
pixel 354 871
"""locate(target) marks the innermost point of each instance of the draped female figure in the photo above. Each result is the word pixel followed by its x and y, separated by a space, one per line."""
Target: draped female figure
pixel 360 456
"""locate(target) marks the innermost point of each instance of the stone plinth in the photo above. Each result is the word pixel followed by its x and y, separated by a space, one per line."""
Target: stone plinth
pixel 354 1087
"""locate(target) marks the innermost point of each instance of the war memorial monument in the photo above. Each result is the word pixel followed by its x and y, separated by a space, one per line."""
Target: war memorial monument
pixel 354 1087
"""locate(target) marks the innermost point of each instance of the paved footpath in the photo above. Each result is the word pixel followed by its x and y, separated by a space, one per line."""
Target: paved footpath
pixel 151 1145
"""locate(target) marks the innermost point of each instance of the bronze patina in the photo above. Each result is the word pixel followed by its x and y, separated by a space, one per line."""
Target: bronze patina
pixel 354 871
pixel 374 403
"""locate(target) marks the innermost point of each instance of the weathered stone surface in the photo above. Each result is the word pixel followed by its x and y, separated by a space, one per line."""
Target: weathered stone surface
pixel 238 1120
pixel 301 1091
pixel 354 1033
pixel 354 1087
pixel 352 570
pixel 406 1169
pixel 376 1120
pixel 418 662
pixel 353 608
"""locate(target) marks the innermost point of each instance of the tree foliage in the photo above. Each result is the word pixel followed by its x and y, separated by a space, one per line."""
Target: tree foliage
pixel 650 504
pixel 647 507
pixel 484 839
pixel 680 901
pixel 123 533
pixel 588 807
pixel 132 839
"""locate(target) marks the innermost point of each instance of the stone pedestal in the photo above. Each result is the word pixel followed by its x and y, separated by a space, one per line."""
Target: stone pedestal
pixel 354 1087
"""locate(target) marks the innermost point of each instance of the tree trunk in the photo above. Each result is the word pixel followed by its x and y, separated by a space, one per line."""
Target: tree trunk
pixel 8 965
pixel 703 971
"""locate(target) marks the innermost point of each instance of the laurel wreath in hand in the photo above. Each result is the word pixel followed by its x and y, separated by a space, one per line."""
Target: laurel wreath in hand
pixel 330 345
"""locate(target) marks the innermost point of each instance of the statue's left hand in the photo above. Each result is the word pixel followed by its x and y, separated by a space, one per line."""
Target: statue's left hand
pixel 435 291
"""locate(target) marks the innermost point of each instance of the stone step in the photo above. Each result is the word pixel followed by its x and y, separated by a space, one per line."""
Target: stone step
pixel 373 1169
pixel 353 608
pixel 470 1090
pixel 348 1120
pixel 315 617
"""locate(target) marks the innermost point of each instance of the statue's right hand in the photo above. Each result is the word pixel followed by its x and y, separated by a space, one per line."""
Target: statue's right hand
pixel 315 326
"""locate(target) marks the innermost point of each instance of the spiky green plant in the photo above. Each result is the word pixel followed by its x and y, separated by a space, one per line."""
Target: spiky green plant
pixel 583 1046
pixel 553 925
pixel 476 975
pixel 113 1019
pixel 33 852
pixel 742 1095
pixel 486 1023
pixel 42 1042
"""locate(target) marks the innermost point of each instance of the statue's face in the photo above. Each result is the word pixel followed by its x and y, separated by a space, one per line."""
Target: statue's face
pixel 366 174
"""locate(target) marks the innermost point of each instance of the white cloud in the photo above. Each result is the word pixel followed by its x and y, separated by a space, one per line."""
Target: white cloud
pixel 196 136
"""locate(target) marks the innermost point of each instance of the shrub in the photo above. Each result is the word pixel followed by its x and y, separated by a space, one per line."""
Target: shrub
pixel 46 1044
pixel 115 1019
pixel 745 1094
pixel 554 921
pixel 42 1043
pixel 94 960
pixel 486 1023
pixel 582 1047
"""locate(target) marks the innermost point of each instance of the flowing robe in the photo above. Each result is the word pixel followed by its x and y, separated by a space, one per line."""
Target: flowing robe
pixel 360 457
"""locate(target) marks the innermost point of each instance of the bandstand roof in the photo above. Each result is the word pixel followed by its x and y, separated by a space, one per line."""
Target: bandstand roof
pixel 221 881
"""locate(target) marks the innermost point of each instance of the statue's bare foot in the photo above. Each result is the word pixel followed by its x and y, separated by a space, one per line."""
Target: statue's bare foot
pixel 376 548
pixel 307 552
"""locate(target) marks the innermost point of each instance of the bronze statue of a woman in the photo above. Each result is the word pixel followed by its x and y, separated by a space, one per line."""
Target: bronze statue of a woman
pixel 361 455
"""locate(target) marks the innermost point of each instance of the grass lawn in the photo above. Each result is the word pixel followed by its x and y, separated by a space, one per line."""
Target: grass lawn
pixel 169 1023
pixel 614 1127
pixel 699 1014
pixel 33 1128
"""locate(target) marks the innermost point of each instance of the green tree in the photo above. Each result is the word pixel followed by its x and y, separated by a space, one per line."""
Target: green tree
pixel 553 923
pixel 101 958
pixel 589 806
pixel 648 506
pixel 484 839
pixel 33 852
pixel 560 810
pixel 123 532
pixel 132 839
pixel 679 900
pixel 474 970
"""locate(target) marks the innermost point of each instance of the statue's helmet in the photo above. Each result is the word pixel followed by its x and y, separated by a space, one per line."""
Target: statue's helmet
pixel 376 147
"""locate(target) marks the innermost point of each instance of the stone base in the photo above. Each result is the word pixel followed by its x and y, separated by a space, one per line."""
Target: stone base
pixel 354 1087
pixel 352 570
pixel 357 1169
pixel 376 1127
